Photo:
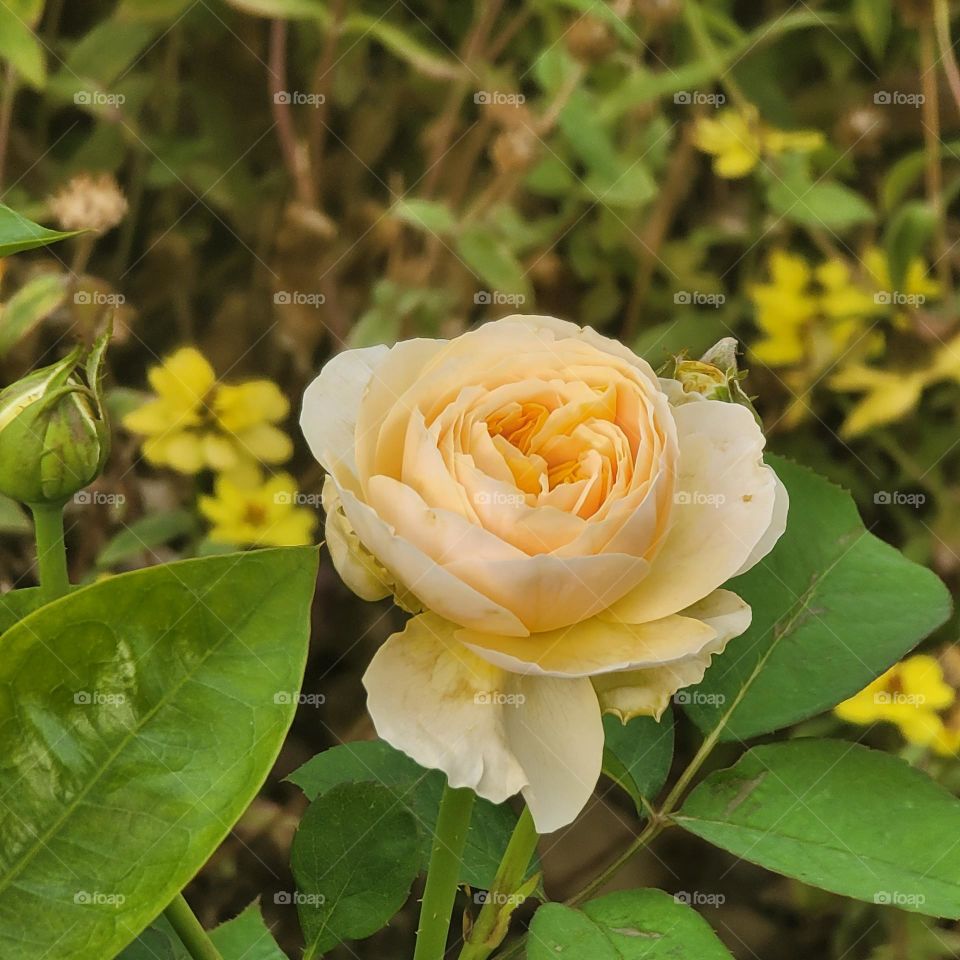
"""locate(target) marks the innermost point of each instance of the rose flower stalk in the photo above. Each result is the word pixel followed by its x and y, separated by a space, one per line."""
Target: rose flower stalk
pixel 558 519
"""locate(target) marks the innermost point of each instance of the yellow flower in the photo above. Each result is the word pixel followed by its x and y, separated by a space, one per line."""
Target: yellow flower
pixel 195 423
pixel 910 694
pixel 263 515
pixel 737 139
pixel 785 307
pixel 888 395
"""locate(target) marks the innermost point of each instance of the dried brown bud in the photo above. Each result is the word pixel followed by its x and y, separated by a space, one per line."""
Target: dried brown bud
pixel 89 203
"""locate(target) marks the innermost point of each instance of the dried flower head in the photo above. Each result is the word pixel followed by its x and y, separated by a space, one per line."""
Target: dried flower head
pixel 89 203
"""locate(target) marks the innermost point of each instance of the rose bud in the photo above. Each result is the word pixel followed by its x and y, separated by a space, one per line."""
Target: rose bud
pixel 54 436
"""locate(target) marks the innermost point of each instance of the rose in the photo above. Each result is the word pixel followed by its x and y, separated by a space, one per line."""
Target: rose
pixel 558 519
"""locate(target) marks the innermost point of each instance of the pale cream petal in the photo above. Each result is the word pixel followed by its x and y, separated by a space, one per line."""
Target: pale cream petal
pixel 649 692
pixel 435 587
pixel 723 508
pixel 547 592
pixel 778 524
pixel 443 706
pixel 358 569
pixel 556 733
pixel 331 407
pixel 598 645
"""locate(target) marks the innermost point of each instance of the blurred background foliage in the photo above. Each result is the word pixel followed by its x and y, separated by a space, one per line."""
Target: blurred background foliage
pixel 269 181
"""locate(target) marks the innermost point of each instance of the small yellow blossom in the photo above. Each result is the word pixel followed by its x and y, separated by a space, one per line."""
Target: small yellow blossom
pixel 737 139
pixel 888 395
pixel 911 695
pixel 195 423
pixel 266 514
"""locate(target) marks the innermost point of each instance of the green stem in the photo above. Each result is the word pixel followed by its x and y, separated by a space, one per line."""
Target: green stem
pixel 189 930
pixel 51 551
pixel 443 875
pixel 491 926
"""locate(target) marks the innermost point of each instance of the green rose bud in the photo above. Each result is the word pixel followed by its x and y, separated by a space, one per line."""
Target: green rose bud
pixel 54 435
pixel 715 375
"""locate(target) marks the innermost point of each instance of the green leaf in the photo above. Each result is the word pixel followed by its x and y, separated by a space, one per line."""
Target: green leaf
pixel 429 215
pixel 29 307
pixel 637 754
pixel 109 50
pixel 16 604
pixel 629 925
pixel 490 827
pixel 906 236
pixel 13 519
pixel 17 233
pixel 822 204
pixel 21 49
pixel 146 712
pixel 491 259
pixel 874 18
pixel 155 943
pixel 833 607
pixel 246 937
pixel 838 816
pixel 354 858
pixel 146 534
pixel 400 43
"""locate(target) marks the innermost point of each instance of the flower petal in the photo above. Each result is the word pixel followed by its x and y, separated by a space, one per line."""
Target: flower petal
pixel 435 700
pixel 634 693
pixel 724 507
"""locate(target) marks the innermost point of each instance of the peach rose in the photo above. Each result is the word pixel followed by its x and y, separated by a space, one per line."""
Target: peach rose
pixel 558 519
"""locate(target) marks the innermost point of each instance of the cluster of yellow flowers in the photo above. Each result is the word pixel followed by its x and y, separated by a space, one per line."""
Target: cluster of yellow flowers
pixel 193 422
pixel 738 139
pixel 914 695
pixel 813 316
